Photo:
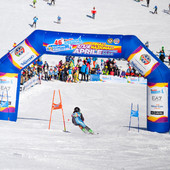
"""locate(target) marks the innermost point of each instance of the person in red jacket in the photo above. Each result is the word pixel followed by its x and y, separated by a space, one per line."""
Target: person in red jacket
pixel 93 12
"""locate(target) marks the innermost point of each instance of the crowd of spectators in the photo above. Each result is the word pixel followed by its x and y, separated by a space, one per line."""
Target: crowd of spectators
pixel 75 71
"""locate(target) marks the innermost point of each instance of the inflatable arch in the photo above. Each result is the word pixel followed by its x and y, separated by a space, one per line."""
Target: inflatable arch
pixel 128 47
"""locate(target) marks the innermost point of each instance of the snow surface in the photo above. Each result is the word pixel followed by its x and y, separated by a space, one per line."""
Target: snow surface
pixel 28 144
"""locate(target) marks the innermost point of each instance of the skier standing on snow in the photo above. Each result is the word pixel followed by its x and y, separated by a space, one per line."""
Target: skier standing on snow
pixel 155 10
pixel 148 3
pixel 58 19
pixel 53 2
pixel 78 120
pixel 34 2
pixel 93 12
pixel 35 19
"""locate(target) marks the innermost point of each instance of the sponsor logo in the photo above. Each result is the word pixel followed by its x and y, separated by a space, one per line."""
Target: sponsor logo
pixel 4 81
pixel 27 61
pixel 7 88
pixel 157 106
pixel 116 40
pixel 110 40
pixel 19 51
pixel 157 112
pixel 155 91
pixel 156 98
pixel 63 44
pixel 144 58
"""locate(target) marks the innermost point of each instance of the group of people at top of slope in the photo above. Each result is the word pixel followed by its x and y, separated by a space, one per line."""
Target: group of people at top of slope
pixel 35 19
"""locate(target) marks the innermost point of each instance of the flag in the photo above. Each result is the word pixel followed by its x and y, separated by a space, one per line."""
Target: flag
pixel 57 106
pixel 134 113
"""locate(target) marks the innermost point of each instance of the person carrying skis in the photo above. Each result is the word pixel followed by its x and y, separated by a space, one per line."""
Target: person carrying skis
pixel 78 120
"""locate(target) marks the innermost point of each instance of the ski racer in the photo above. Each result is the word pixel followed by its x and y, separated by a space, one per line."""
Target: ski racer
pixel 78 120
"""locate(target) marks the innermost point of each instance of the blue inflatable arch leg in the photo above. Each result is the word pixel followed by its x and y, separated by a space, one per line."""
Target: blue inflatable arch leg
pixel 89 45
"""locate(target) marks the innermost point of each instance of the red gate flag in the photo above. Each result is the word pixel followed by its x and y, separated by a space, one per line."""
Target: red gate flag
pixel 55 107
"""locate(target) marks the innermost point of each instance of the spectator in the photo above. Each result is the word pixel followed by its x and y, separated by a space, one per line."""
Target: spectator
pixel 65 76
pixel 112 72
pixel 39 66
pixel 55 73
pixel 15 44
pixel 50 74
pixel 87 73
pixel 162 55
pixel 70 77
pixel 147 44
pixel 98 71
pixel 123 73
pixel 102 64
pixel 45 69
pixel 83 71
pixel 169 59
pixel 105 71
pixel 93 71
pixel 68 58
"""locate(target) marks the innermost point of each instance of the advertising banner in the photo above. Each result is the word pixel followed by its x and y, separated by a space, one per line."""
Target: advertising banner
pixel 22 55
pixel 79 45
pixel 30 83
pixel 142 61
pixel 158 102
pixel 8 87
pixel 114 79
pixel 95 77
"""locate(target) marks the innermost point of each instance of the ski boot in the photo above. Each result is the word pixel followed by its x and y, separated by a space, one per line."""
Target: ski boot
pixel 89 130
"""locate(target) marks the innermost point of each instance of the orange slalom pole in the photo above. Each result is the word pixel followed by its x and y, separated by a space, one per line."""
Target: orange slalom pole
pixel 51 110
pixel 62 112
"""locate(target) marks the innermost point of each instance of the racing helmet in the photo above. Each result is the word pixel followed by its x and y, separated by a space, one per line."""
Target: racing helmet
pixel 76 109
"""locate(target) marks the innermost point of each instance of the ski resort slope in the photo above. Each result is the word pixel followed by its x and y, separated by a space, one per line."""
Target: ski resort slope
pixel 28 144
pixel 126 17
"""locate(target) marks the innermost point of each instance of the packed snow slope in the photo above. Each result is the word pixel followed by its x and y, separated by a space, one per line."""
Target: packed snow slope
pixel 28 144
pixel 126 17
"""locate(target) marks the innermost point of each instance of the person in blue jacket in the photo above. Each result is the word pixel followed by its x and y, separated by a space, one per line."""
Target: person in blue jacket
pixel 155 10
pixel 78 120
pixel 83 72
pixel 35 19
pixel 87 73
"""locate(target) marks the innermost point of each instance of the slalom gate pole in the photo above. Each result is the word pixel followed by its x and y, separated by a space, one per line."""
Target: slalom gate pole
pixel 51 110
pixel 62 112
